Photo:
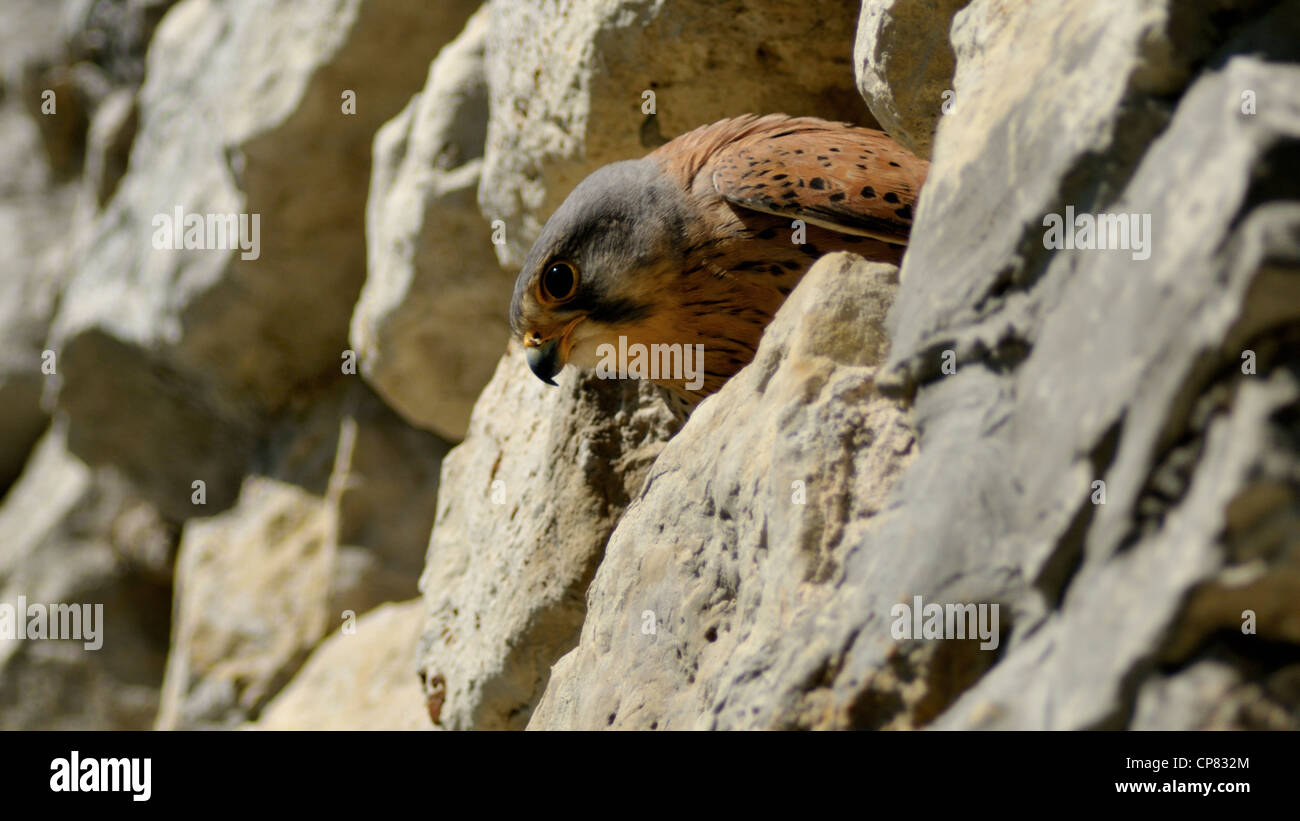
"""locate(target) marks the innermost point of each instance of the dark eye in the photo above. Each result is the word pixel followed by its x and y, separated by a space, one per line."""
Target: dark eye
pixel 560 282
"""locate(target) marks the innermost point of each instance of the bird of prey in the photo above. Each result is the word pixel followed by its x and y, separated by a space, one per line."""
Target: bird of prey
pixel 701 240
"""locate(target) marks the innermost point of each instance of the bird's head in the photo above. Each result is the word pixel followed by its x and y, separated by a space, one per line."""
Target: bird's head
pixel 600 266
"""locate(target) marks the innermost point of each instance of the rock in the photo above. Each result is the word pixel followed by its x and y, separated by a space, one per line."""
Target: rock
pixel 1036 131
pixel 173 360
pixel 1076 373
pixel 382 497
pixel 113 34
pixel 72 92
pixel 336 527
pixel 1230 693
pixel 1083 366
pixel 430 325
pixel 358 681
pixel 31 273
pixel 83 52
pixel 108 145
pixel 1094 450
pixel 568 89
pixel 31 33
pixel 21 426
pixel 70 535
pixel 252 586
pixel 30 276
pixel 904 64
pixel 744 525
pixel 26 172
pixel 37 218
pixel 529 499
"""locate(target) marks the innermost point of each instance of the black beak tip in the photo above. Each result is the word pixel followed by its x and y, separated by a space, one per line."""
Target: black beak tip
pixel 544 361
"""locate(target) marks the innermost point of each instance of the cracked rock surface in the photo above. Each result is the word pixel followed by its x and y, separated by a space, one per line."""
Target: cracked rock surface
pixel 320 488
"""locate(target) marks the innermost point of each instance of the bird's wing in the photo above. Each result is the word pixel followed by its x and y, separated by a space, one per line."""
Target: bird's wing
pixel 848 179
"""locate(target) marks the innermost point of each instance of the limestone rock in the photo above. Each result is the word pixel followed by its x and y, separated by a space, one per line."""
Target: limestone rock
pixel 431 322
pixel 904 64
pixel 252 585
pixel 36 217
pixel 1227 693
pixel 74 92
pixel 113 34
pixel 1098 447
pixel 569 86
pixel 72 535
pixel 31 273
pixel 358 681
pixel 1087 366
pixel 1105 439
pixel 527 502
pixel 173 359
pixel 381 497
pixel 744 527
pixel 26 172
pixel 336 526
pixel 1030 132
pixel 31 34
pixel 108 145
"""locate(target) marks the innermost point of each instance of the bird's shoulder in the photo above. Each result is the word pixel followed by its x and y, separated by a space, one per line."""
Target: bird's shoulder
pixel 846 178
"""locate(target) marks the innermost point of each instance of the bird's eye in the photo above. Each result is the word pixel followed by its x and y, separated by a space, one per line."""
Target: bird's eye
pixel 559 283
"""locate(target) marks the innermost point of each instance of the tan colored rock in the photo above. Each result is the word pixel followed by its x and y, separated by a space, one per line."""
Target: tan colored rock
pixel 381 498
pixel 699 612
pixel 1024 121
pixel 31 33
pixel 568 86
pixel 108 146
pixel 527 503
pixel 113 34
pixel 904 65
pixel 337 527
pixel 1226 693
pixel 360 680
pixel 31 274
pixel 77 90
pixel 252 586
pixel 431 322
pixel 172 359
pixel 582 573
pixel 1106 468
pixel 37 217
pixel 72 535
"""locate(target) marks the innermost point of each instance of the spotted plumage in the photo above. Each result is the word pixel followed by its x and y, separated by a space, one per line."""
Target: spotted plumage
pixel 692 244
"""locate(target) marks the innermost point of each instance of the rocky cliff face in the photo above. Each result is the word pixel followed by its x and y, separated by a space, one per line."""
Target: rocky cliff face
pixel 312 485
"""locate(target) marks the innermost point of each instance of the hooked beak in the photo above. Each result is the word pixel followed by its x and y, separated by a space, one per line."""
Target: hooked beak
pixel 544 360
pixel 547 358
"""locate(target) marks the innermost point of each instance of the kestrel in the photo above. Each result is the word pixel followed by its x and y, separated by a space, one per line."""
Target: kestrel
pixel 699 241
